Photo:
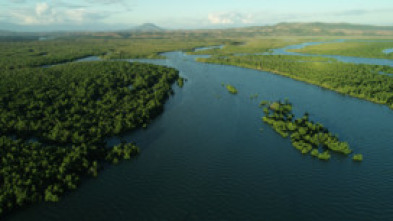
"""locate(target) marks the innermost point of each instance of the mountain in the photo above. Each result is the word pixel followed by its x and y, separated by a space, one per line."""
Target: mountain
pixel 334 26
pixel 148 27
pixel 320 29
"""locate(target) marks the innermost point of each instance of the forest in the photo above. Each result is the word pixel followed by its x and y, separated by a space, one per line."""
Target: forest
pixel 54 122
pixel 357 80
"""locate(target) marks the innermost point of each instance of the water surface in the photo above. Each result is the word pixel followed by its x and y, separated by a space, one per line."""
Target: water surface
pixel 388 51
pixel 209 47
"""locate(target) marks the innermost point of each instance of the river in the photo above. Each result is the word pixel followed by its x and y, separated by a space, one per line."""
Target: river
pixel 210 157
pixel 388 51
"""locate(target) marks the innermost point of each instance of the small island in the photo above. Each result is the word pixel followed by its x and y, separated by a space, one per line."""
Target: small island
pixel 180 82
pixel 231 89
pixel 357 157
pixel 306 136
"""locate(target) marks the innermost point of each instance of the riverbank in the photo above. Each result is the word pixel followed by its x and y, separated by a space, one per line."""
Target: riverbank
pixel 364 49
pixel 352 78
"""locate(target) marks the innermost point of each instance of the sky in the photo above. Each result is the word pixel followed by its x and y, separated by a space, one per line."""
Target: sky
pixel 46 15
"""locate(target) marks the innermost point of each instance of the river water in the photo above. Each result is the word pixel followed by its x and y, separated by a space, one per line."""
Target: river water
pixel 210 157
pixel 388 51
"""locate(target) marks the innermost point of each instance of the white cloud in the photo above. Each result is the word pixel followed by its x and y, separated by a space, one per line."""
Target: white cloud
pixel 82 15
pixel 50 13
pixel 76 14
pixel 42 8
pixel 263 17
pixel 43 13
pixel 230 18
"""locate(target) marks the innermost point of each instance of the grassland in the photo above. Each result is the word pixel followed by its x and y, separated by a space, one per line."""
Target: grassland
pixel 22 54
pixel 253 45
pixel 365 49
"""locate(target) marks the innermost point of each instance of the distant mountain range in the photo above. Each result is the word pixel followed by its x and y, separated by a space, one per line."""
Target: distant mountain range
pixel 334 26
pixel 318 29
pixel 281 29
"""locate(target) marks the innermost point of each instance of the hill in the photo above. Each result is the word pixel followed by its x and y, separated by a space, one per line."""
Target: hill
pixel 319 29
pixel 148 27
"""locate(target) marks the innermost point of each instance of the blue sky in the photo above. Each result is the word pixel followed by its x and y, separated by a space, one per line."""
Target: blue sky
pixel 118 14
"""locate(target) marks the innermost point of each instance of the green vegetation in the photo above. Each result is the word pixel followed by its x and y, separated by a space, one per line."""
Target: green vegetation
pixel 180 82
pixel 231 89
pixel 315 29
pixel 362 81
pixel 306 136
pixel 314 153
pixel 252 45
pixel 22 51
pixel 357 157
pixel 122 151
pixel 324 156
pixel 54 122
pixel 263 103
pixel 38 53
pixel 151 48
pixel 356 49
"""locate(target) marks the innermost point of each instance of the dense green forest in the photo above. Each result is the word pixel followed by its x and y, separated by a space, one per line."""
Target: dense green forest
pixel 54 122
pixel 306 136
pixel 358 80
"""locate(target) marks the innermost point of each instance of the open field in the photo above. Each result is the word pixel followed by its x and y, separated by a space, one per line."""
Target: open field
pixel 368 49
